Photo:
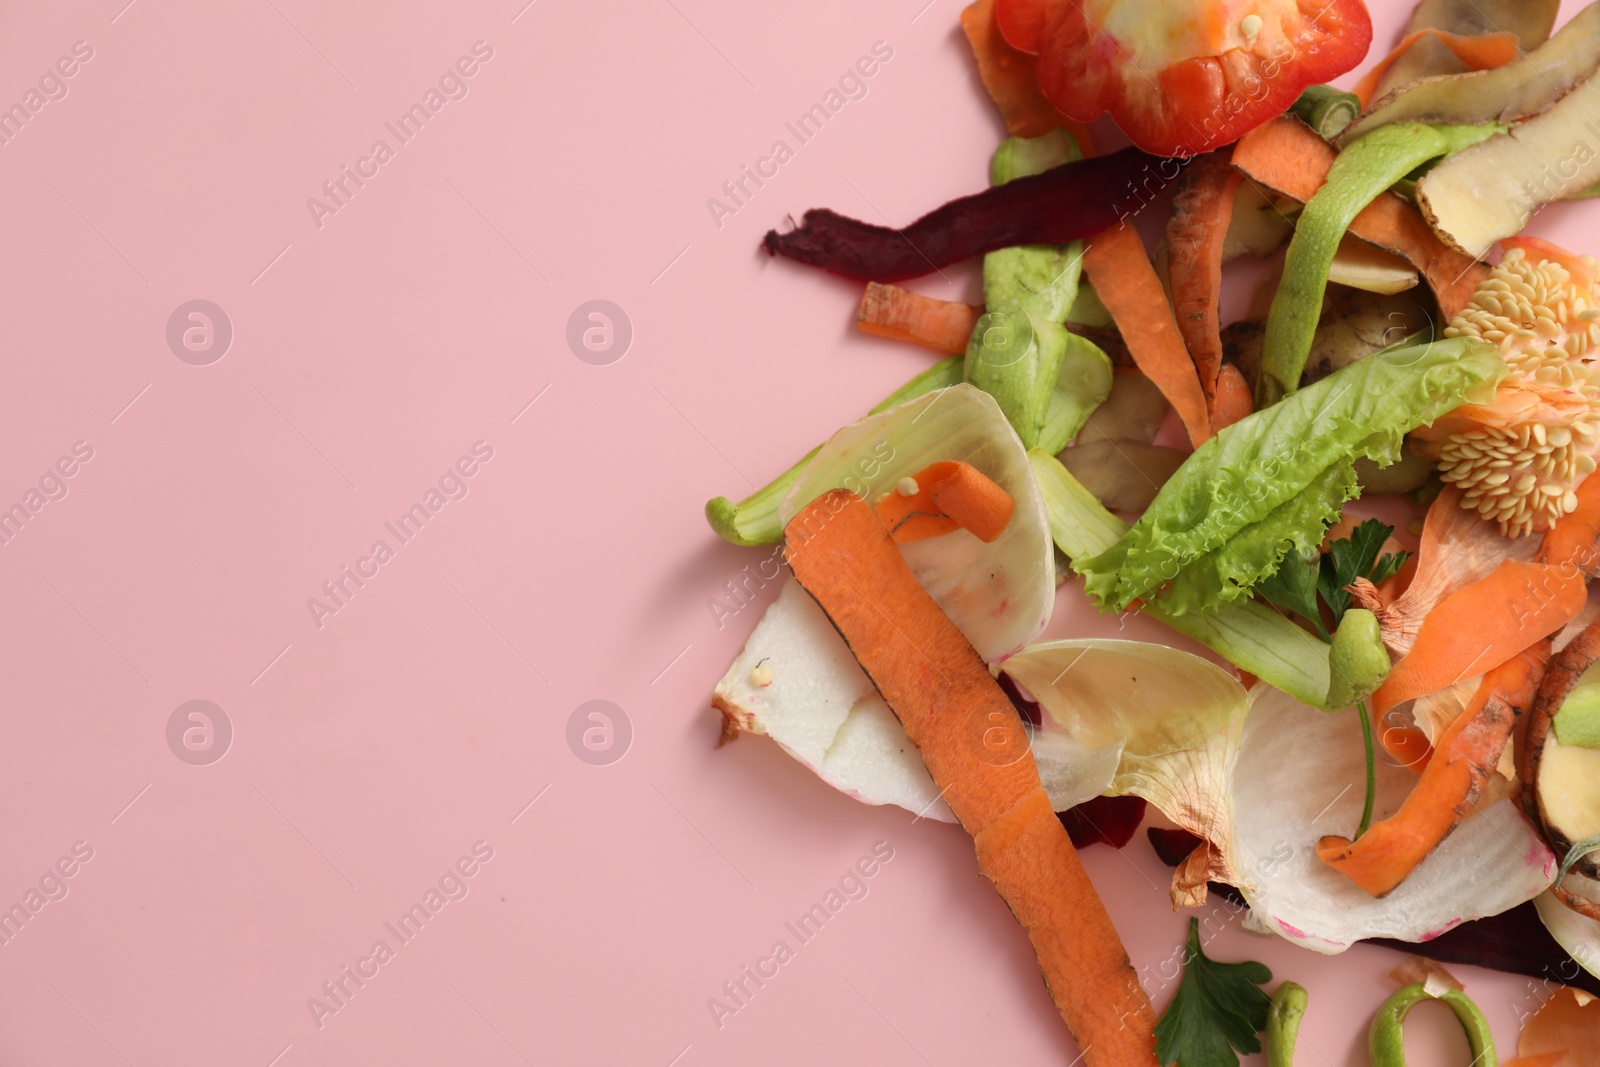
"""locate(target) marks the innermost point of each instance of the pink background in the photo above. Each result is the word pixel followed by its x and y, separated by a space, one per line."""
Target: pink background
pixel 368 354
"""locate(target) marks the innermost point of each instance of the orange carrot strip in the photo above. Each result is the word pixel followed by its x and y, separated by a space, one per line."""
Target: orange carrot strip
pixel 1478 52
pixel 900 314
pixel 1200 215
pixel 1538 248
pixel 1408 745
pixel 975 748
pixel 1481 626
pixel 1450 785
pixel 970 498
pixel 1011 77
pixel 1285 156
pixel 1129 288
pixel 1234 399
pixel 949 496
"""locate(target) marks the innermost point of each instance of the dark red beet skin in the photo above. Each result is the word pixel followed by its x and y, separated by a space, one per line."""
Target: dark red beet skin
pixel 1514 941
pixel 1065 203
pixel 1103 820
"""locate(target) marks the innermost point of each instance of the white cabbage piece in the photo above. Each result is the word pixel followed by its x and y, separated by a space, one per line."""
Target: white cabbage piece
pixel 1301 775
pixel 811 697
pixel 822 708
pixel 1000 594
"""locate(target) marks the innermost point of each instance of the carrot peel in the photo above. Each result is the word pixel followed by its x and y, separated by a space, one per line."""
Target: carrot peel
pixel 943 497
pixel 1200 215
pixel 1450 784
pixel 1483 625
pixel 901 315
pixel 1129 288
pixel 974 746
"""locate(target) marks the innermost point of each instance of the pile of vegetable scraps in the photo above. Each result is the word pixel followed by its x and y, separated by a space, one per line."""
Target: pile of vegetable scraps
pixel 1097 428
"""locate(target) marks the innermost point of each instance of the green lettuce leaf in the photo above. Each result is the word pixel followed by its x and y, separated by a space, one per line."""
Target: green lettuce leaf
pixel 1274 480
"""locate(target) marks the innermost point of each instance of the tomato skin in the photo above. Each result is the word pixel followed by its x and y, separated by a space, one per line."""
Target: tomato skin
pixel 1191 104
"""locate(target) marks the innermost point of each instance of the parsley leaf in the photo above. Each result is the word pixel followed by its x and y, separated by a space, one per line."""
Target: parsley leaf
pixel 1301 579
pixel 1218 1008
pixel 1294 587
pixel 1355 557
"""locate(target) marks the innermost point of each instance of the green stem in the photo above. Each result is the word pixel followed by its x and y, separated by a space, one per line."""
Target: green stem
pixel 755 519
pixel 1327 110
pixel 1372 769
pixel 1283 1023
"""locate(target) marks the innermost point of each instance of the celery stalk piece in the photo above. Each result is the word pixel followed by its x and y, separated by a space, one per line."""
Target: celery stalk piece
pixel 754 520
pixel 1082 384
pixel 1017 357
pixel 1019 157
pixel 1040 279
pixel 1362 172
pixel 1248 634
pixel 1047 381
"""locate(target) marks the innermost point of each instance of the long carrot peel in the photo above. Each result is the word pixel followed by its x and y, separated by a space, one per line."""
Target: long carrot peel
pixel 1286 157
pixel 1450 785
pixel 943 497
pixel 1012 79
pixel 1128 286
pixel 1200 215
pixel 974 746
pixel 899 314
pixel 1483 625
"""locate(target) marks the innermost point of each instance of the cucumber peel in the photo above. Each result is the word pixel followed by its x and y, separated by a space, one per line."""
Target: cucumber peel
pixel 1386 1040
pixel 1363 171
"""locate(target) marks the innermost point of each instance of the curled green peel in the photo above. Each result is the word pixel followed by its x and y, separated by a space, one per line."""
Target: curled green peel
pixel 1362 172
pixel 1283 1024
pixel 755 521
pixel 1386 1042
pixel 1327 110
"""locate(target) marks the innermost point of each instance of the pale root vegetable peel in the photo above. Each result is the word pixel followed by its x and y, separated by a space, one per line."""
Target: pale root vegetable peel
pixel 973 744
pixel 1474 52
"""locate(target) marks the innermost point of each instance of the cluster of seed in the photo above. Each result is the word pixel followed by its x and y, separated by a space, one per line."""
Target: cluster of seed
pixel 1523 476
pixel 1527 306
